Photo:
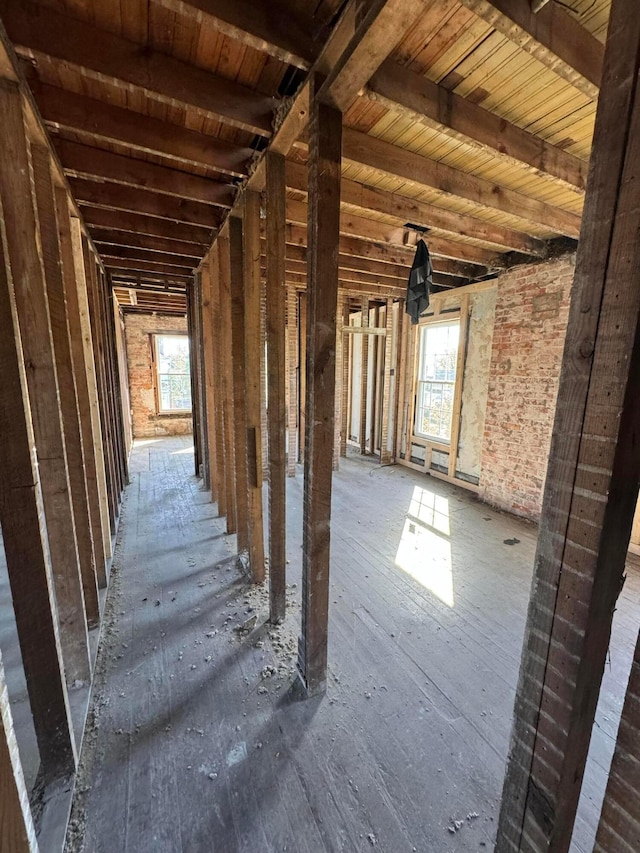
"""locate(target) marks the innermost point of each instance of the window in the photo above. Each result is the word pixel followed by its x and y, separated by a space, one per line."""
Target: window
pixel 173 377
pixel 436 380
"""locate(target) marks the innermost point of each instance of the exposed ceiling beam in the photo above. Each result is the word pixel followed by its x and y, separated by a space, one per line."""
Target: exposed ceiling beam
pixel 404 209
pixel 126 278
pixel 389 159
pixel 138 223
pixel 120 264
pixel 133 254
pixel 148 135
pixel 381 232
pixel 300 283
pixel 282 33
pixel 553 36
pixel 86 161
pixel 383 25
pixel 119 197
pixel 127 239
pixel 413 96
pixel 131 66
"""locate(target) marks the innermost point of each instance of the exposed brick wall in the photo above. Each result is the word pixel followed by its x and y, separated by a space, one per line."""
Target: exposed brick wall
pixel 145 419
pixel 528 339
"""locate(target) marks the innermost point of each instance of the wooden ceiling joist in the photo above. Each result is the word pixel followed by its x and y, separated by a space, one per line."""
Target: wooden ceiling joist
pixel 107 250
pixel 128 278
pixel 285 36
pixel 99 120
pixel 415 97
pixel 105 237
pixel 554 37
pixel 86 161
pixel 37 30
pixel 138 223
pixel 116 264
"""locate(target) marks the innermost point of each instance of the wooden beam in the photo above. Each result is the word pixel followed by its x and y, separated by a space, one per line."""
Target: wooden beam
pixel 17 831
pixel 71 294
pixel 404 209
pixel 302 373
pixel 324 214
pixel 104 237
pixel 276 396
pixel 22 516
pixel 216 419
pixel 364 376
pixel 386 454
pixel 239 381
pixel 107 123
pixel 253 389
pixel 346 374
pixel 83 599
pixel 193 378
pixel 208 331
pixel 148 226
pixel 592 480
pixel 553 37
pixel 167 258
pixel 291 372
pixel 227 376
pixel 388 159
pixel 286 35
pixel 103 55
pixel 417 98
pixel 27 261
pixel 381 28
pixel 118 264
pixel 89 162
pixel 118 197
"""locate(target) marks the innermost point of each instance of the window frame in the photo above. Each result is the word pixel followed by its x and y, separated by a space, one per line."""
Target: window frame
pixel 156 373
pixel 423 329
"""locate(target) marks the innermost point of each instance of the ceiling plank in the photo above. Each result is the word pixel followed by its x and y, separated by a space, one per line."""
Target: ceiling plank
pixel 103 55
pixel 86 161
pixel 391 160
pixel 138 223
pixel 125 239
pixel 149 135
pixel 124 264
pixel 554 37
pixel 134 254
pixel 415 97
pixel 283 34
pixel 119 197
pixel 404 209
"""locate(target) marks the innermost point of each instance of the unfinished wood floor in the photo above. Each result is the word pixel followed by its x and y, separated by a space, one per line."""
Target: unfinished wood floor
pixel 194 744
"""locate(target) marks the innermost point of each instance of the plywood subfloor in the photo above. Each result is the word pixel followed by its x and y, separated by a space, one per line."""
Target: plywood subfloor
pixel 195 744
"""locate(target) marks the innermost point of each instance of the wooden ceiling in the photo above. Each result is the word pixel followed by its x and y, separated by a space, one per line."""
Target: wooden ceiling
pixel 472 119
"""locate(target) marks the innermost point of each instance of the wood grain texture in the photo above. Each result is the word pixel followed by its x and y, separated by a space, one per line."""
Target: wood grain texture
pixel 227 376
pixel 207 273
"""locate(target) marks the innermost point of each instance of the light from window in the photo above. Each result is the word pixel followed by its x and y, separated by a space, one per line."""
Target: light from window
pixel 174 380
pixel 436 380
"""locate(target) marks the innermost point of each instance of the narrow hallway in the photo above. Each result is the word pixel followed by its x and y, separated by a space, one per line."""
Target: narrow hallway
pixel 195 744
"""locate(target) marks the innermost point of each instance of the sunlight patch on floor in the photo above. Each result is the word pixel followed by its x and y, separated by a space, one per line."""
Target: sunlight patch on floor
pixel 424 551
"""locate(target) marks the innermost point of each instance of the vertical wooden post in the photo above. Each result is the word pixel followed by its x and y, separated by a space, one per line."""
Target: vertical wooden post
pixel 201 374
pixel 302 373
pixel 239 384
pixel 386 455
pixel 251 279
pixel 206 290
pixel 364 377
pixel 81 595
pixel 17 832
pixel 344 406
pixel 71 295
pixel 276 410
pixel 191 331
pixel 592 480
pixel 25 257
pixel 339 390
pixel 325 140
pixel 292 371
pixel 22 517
pixel 92 386
pixel 619 827
pixel 216 417
pixel 227 376
pixel 457 398
pixel 376 369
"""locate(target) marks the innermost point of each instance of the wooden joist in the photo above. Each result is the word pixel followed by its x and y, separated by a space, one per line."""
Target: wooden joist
pixel 419 99
pixel 118 264
pixel 133 254
pixel 148 226
pixel 551 35
pixel 89 162
pixel 148 243
pixel 107 123
pixel 38 30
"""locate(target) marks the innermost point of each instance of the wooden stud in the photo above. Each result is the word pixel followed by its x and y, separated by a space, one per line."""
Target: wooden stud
pixel 457 395
pixel 346 357
pixel 302 373
pixel 195 418
pixel 22 516
pixel 325 131
pixel 239 381
pixel 17 832
pixel 206 276
pixel 364 375
pixel 227 376
pixel 27 257
pixel 216 417
pixel 276 407
pixel 85 600
pixel 386 454
pixel 252 346
pixel 292 334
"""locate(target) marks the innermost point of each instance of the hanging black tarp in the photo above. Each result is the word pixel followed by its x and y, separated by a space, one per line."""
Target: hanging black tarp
pixel 420 283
